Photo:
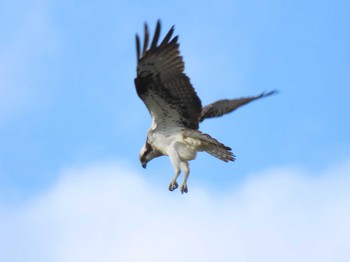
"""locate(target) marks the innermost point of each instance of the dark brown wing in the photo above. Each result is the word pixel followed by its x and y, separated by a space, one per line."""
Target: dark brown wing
pixel 161 83
pixel 226 106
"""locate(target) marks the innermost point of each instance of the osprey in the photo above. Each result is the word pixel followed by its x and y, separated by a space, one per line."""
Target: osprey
pixel 175 108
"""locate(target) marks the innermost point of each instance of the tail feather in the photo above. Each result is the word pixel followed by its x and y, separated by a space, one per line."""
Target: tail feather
pixel 211 145
pixel 220 153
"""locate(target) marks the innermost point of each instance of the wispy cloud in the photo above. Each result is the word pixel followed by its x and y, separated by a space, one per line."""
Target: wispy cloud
pixel 108 212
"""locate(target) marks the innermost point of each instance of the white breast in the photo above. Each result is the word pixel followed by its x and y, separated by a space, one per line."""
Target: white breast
pixel 166 142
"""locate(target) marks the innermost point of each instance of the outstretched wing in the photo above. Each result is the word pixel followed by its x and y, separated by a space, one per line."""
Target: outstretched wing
pixel 226 106
pixel 162 84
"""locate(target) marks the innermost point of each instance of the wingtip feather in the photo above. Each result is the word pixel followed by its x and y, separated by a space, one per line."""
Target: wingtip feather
pixel 146 39
pixel 138 48
pixel 168 36
pixel 272 92
pixel 156 35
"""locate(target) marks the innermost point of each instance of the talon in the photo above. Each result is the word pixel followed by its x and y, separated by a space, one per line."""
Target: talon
pixel 184 189
pixel 173 186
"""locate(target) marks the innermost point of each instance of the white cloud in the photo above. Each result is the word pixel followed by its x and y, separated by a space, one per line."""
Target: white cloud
pixel 109 212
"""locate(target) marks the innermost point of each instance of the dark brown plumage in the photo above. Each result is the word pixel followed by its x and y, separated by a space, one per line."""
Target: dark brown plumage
pixel 160 75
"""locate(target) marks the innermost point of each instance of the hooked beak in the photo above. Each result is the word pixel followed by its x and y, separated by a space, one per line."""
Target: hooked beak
pixel 144 165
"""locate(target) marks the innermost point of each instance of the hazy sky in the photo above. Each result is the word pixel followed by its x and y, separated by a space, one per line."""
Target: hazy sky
pixel 71 127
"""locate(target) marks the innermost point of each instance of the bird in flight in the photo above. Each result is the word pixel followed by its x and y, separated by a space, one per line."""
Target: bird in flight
pixel 175 107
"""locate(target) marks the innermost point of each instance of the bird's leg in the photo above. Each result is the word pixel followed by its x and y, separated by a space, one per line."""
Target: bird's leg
pixel 185 168
pixel 175 161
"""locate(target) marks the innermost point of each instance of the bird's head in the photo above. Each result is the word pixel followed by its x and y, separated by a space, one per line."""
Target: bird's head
pixel 147 153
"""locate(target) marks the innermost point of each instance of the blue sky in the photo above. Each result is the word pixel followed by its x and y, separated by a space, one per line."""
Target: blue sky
pixel 70 118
